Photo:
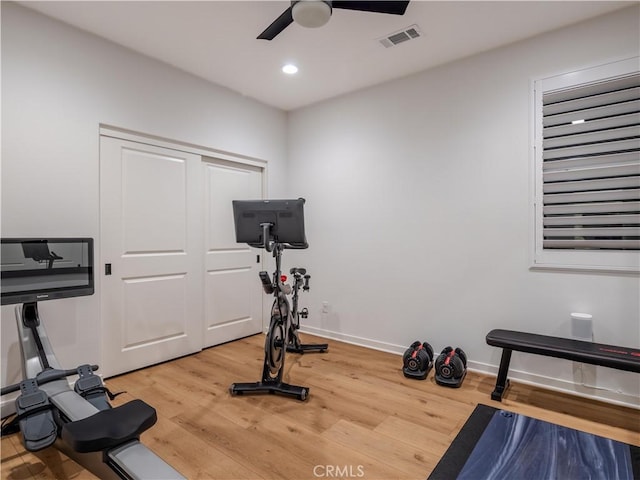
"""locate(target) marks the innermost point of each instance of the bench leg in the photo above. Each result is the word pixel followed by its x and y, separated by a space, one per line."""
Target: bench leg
pixel 502 382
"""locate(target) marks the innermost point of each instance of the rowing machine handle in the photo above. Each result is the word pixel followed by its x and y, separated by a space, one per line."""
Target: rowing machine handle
pixel 43 377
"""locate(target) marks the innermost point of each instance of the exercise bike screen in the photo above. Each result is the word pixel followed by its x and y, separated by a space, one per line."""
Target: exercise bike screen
pixel 36 269
pixel 285 217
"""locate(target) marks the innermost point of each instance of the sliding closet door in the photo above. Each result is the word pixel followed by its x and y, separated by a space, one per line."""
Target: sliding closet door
pixel 152 254
pixel 233 292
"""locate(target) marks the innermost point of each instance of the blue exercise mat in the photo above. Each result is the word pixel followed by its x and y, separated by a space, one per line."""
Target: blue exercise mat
pixel 515 446
pixel 497 444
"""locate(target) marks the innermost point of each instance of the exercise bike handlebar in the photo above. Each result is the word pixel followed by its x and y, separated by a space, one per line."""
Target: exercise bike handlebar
pixel 46 378
pixel 295 246
pixel 301 277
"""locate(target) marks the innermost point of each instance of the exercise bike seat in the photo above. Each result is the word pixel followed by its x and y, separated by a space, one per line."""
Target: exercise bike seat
pixel 109 428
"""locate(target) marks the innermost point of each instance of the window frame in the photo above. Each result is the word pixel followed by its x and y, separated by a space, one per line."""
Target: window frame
pixel 616 261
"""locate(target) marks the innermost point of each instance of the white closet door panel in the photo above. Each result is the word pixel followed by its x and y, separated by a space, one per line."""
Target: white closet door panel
pixel 151 236
pixel 233 306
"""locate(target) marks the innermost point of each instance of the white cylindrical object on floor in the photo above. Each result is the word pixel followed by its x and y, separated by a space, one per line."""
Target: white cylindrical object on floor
pixel 582 326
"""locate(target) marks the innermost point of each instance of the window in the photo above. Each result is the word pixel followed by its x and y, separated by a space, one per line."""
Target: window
pixel 587 168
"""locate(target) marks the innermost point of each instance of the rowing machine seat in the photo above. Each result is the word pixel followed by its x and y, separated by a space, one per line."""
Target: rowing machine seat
pixel 109 428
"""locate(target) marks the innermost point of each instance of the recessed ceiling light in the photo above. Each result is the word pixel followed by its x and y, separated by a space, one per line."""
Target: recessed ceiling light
pixel 290 69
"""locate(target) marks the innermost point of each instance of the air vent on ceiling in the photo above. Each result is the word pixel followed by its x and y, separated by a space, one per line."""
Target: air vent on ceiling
pixel 401 36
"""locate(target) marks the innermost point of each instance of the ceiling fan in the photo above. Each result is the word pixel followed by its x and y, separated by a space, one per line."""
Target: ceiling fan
pixel 315 13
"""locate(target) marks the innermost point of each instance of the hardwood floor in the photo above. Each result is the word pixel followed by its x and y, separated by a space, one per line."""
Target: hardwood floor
pixel 363 418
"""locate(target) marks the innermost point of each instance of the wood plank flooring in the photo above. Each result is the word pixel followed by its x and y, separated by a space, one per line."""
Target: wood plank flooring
pixel 363 419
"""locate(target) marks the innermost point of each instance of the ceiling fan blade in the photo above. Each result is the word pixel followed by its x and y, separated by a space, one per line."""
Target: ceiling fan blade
pixel 391 7
pixel 280 23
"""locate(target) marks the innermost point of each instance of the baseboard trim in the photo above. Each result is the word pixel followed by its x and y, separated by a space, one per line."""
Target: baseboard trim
pixel 549 383
pixel 355 340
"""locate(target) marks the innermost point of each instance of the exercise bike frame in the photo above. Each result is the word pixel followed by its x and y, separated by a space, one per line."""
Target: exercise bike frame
pixel 128 460
pixel 278 334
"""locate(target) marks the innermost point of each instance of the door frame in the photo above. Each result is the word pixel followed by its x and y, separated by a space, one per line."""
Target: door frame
pixel 123 134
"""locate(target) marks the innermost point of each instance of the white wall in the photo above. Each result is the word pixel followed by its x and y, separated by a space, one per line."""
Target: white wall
pixel 58 85
pixel 418 212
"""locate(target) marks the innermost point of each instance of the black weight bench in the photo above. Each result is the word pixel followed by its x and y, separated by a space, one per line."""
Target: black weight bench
pixel 610 356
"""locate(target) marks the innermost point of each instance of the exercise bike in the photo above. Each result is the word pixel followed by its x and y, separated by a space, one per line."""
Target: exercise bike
pixel 277 339
pixel 80 422
pixel 274 225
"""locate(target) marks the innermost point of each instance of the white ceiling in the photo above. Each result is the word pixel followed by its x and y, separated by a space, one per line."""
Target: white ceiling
pixel 216 40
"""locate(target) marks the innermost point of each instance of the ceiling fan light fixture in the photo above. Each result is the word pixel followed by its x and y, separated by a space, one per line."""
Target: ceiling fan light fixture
pixel 311 13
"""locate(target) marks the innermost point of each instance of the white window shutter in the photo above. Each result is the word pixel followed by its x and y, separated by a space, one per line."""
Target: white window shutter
pixel 588 164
